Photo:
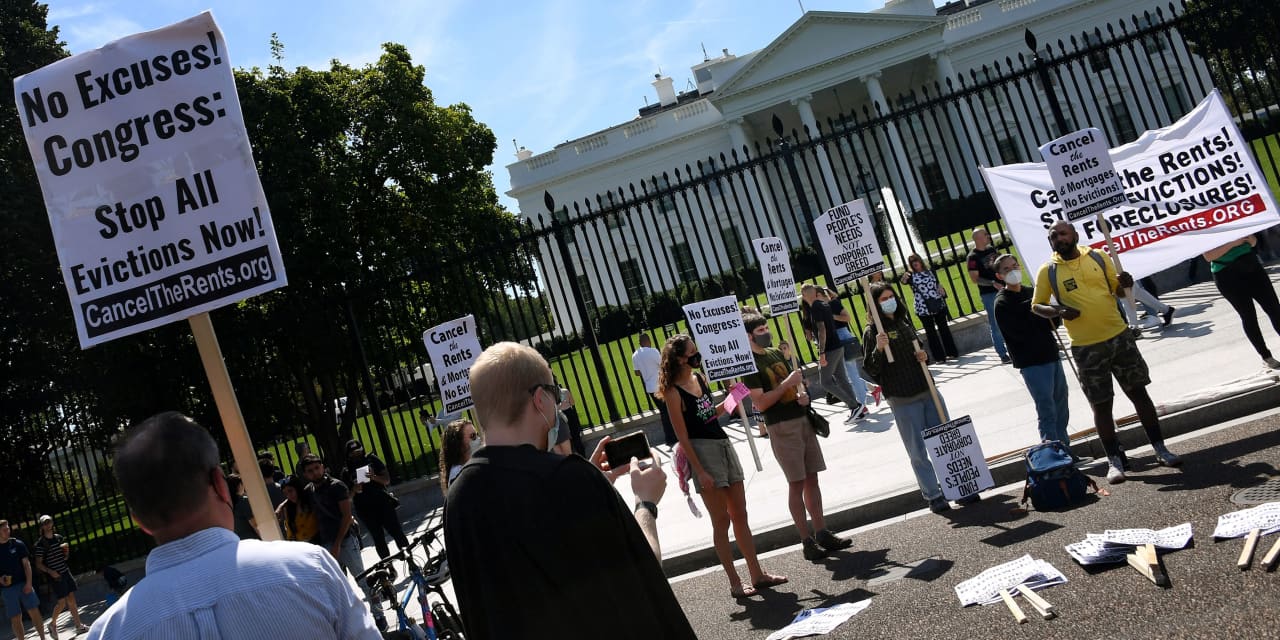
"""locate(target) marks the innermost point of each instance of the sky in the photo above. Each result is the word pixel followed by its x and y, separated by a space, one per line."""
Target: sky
pixel 538 73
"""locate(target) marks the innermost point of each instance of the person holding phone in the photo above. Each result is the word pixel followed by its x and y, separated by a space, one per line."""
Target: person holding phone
pixel 717 472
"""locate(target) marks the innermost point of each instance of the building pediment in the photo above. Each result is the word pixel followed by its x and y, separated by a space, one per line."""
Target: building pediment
pixel 825 38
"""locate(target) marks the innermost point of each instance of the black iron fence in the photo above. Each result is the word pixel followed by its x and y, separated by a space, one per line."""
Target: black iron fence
pixel 603 270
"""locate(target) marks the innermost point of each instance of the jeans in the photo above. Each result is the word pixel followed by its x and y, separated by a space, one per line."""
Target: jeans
pixel 913 415
pixel 997 340
pixel 855 379
pixel 835 379
pixel 1048 386
pixel 349 559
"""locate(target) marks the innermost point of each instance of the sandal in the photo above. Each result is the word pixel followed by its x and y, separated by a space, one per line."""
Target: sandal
pixel 769 582
pixel 742 592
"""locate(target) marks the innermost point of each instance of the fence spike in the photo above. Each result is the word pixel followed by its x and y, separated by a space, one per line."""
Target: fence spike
pixel 549 201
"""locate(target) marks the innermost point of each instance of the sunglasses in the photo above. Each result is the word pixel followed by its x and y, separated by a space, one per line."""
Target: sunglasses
pixel 556 391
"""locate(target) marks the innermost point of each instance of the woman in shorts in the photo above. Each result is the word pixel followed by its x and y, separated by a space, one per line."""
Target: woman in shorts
pixel 717 474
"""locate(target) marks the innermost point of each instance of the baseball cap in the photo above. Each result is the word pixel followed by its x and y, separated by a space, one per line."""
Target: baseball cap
pixel 352 445
pixel 46 518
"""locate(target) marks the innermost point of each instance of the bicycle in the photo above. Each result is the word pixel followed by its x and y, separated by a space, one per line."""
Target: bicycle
pixel 440 619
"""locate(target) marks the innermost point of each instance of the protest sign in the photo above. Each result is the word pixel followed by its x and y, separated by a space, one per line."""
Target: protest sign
pixel 849 242
pixel 1084 178
pixel 1189 188
pixel 957 458
pixel 453 347
pixel 779 284
pixel 717 329
pixel 149 181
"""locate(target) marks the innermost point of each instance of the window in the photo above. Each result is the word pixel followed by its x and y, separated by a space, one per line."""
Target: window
pixel 1098 60
pixel 1009 150
pixel 935 185
pixel 733 247
pixel 1175 101
pixel 685 266
pixel 702 75
pixel 633 279
pixel 562 216
pixel 588 296
pixel 614 221
pixel 1123 122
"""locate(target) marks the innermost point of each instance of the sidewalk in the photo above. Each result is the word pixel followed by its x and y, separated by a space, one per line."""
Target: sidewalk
pixel 866 463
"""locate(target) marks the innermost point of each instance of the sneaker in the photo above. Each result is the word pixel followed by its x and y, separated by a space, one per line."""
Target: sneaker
pixel 856 414
pixel 82 628
pixel 970 499
pixel 1272 363
pixel 877 391
pixel 939 505
pixel 1167 317
pixel 1166 457
pixel 53 629
pixel 1115 473
pixel 831 541
pixel 812 551
pixel 1005 360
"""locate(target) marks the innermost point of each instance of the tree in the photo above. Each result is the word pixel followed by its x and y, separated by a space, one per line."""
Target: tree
pixel 1236 39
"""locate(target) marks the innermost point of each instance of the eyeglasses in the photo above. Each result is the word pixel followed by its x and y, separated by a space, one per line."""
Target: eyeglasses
pixel 556 391
pixel 475 436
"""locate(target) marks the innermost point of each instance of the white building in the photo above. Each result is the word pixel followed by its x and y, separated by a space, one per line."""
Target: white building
pixel 825 64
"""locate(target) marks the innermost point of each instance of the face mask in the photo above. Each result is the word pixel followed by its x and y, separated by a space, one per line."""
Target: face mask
pixel 476 443
pixel 553 424
pixel 695 360
pixel 1013 277
pixel 889 306
pixel 763 339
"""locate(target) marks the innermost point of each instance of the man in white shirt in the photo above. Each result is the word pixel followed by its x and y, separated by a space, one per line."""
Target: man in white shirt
pixel 202 580
pixel 645 362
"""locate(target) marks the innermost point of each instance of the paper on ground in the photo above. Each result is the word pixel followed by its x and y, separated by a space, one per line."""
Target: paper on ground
pixel 813 622
pixel 985 587
pixel 1238 524
pixel 1113 544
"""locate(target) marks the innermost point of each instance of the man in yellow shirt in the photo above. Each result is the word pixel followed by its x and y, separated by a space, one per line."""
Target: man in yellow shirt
pixel 1087 290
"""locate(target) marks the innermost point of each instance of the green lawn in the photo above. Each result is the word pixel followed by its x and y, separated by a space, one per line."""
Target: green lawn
pixel 1267 150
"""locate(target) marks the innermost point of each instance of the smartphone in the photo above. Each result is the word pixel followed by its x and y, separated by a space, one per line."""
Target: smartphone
pixel 620 451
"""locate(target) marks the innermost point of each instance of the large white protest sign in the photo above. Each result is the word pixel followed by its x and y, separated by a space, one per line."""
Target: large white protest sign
pixel 453 347
pixel 717 329
pixel 849 241
pixel 1190 187
pixel 779 284
pixel 149 181
pixel 1083 175
pixel 957 458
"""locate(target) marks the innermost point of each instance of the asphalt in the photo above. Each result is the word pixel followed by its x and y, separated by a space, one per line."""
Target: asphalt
pixel 909 566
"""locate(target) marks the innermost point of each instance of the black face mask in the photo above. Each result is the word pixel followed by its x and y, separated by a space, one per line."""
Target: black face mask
pixel 763 339
pixel 695 360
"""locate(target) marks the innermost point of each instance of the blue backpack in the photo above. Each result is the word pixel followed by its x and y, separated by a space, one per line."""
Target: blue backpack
pixel 1053 481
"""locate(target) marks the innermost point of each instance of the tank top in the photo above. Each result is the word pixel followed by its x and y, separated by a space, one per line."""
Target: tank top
pixel 700 413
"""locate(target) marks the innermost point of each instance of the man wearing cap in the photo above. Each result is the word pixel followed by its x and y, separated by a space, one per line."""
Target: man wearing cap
pixel 15 583
pixel 51 560
pixel 374 504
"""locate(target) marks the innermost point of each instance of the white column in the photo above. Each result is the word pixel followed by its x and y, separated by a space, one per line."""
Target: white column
pixel 982 155
pixel 804 106
pixel 908 175
pixel 738 137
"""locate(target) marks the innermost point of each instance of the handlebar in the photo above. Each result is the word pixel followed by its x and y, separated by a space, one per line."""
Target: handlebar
pixel 425 539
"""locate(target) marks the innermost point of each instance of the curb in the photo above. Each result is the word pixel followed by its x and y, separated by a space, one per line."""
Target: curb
pixel 908 500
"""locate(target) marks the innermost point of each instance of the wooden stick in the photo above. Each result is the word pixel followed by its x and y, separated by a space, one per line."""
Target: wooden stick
pixel 746 428
pixel 1132 308
pixel 1246 554
pixel 1041 605
pixel 933 388
pixel 1271 556
pixel 1140 565
pixel 215 369
pixel 873 310
pixel 1013 606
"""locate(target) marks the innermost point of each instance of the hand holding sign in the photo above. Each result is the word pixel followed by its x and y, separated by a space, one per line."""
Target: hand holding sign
pixel 736 394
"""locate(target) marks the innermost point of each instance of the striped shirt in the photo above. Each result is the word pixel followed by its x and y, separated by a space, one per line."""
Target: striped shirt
pixel 212 585
pixel 50 552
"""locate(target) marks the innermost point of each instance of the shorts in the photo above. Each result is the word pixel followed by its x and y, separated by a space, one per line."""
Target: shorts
pixel 719 459
pixel 1117 357
pixel 64 586
pixel 15 601
pixel 795 447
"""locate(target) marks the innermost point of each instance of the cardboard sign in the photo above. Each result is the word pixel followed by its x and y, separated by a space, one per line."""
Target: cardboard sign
pixel 779 284
pixel 453 347
pixel 849 241
pixel 957 458
pixel 149 180
pixel 1191 187
pixel 717 329
pixel 1083 176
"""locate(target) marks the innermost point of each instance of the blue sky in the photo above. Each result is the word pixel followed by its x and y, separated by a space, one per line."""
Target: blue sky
pixel 538 72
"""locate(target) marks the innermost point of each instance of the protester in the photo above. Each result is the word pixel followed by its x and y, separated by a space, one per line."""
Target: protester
pixel 1087 288
pixel 717 472
pixel 850 346
pixel 1241 279
pixel 240 508
pixel 202 580
pixel 458 442
pixel 298 512
pixel 906 388
pixel 1152 304
pixel 15 583
pixel 645 363
pixel 338 533
pixel 272 477
pixel 832 372
pixel 777 390
pixel 570 425
pixel 982 274
pixel 512 508
pixel 51 559
pixel 1033 346
pixel 277 475
pixel 374 503
pixel 931 307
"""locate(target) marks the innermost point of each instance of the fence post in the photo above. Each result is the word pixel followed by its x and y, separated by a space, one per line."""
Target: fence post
pixel 374 409
pixel 589 331
pixel 784 147
pixel 1042 70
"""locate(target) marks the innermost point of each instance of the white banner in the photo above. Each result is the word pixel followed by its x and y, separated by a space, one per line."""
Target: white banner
pixel 453 347
pixel 957 458
pixel 149 180
pixel 779 284
pixel 848 239
pixel 1190 187
pixel 717 329
pixel 1083 176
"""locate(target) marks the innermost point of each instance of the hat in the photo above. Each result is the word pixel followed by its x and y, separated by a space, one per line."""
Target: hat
pixel 352 445
pixel 46 518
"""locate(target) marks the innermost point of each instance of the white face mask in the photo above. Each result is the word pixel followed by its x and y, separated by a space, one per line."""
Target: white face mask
pixel 1013 277
pixel 476 443
pixel 553 431
pixel 889 306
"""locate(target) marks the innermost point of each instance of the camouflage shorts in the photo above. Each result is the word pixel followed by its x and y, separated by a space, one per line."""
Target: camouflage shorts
pixel 1118 356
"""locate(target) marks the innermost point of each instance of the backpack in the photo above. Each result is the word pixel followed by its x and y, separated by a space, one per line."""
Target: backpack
pixel 1053 481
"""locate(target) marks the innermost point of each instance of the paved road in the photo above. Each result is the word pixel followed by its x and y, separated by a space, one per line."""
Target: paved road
pixel 1209 597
